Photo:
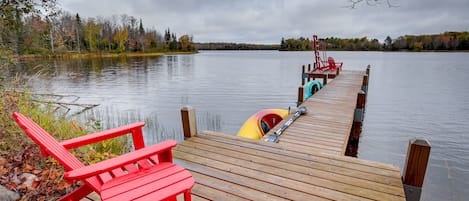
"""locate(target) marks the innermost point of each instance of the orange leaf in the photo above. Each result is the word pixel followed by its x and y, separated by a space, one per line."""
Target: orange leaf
pixel 35 183
pixel 63 185
pixel 28 168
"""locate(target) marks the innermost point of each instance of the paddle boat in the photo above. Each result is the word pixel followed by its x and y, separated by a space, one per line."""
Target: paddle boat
pixel 261 122
pixel 311 88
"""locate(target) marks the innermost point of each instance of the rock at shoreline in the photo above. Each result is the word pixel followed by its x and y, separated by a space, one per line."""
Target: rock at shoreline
pixel 8 195
pixel 28 179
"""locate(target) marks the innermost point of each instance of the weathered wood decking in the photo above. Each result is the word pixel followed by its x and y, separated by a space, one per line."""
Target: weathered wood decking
pixel 229 168
pixel 307 163
pixel 325 128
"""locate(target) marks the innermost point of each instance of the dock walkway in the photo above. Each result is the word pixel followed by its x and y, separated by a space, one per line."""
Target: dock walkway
pixel 326 127
pixel 308 163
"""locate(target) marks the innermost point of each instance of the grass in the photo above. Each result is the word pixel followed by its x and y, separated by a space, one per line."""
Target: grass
pixel 111 117
pixel 55 124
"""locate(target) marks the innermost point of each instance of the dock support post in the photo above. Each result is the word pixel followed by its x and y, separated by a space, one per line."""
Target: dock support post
pixel 303 75
pixel 352 145
pixel 189 122
pixel 365 83
pixel 324 79
pixel 418 154
pixel 309 70
pixel 300 95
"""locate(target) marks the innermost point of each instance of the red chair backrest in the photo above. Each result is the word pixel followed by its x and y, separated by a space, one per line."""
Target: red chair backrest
pixel 47 143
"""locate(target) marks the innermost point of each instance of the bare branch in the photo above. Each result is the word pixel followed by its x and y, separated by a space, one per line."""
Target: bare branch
pixel 354 3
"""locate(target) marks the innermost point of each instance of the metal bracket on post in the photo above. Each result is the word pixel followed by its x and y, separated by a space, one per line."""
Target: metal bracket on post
pixel 358 115
pixel 305 75
pixel 365 89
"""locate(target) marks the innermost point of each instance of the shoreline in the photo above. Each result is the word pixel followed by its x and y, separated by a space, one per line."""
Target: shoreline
pixel 97 55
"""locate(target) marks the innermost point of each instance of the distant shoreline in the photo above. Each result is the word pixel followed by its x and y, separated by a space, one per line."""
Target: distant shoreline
pixel 337 50
pixel 97 55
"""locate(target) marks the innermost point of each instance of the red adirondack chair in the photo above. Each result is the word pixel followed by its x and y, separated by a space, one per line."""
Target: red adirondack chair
pixel 145 174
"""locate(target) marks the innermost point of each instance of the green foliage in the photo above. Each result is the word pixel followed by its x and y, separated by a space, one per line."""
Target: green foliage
pixel 59 127
pixel 292 44
pixel 234 46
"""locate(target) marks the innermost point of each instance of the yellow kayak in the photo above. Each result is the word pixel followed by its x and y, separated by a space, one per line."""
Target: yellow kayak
pixel 261 122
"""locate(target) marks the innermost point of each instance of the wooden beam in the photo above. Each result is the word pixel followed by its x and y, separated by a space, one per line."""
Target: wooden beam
pixel 300 95
pixel 415 166
pixel 418 154
pixel 189 122
pixel 324 78
pixel 302 75
pixel 355 132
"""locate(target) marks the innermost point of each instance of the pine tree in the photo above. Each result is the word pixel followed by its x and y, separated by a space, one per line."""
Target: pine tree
pixel 78 28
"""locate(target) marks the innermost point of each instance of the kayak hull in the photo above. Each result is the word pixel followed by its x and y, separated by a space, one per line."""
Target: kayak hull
pixel 261 122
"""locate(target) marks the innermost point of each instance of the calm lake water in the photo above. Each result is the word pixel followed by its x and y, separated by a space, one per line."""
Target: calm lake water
pixel 410 95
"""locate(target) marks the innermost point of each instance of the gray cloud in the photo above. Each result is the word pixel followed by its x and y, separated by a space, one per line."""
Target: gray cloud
pixel 266 21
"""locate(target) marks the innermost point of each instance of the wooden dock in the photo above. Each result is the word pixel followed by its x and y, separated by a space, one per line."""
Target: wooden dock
pixel 308 163
pixel 326 127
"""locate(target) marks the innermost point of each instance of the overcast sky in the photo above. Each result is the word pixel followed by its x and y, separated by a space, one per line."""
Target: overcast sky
pixel 267 21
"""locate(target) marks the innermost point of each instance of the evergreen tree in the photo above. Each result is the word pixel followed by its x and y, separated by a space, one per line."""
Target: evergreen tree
pixel 141 30
pixel 282 44
pixel 78 29
pixel 388 43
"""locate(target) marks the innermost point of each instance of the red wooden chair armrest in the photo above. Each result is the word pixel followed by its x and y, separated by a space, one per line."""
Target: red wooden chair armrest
pixel 113 163
pixel 134 128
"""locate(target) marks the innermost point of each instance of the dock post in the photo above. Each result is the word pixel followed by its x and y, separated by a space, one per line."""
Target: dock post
pixel 365 83
pixel 303 75
pixel 314 68
pixel 354 138
pixel 324 79
pixel 415 167
pixel 300 95
pixel 309 70
pixel 189 122
pixel 368 70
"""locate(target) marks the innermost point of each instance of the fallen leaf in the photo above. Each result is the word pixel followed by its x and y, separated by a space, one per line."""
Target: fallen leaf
pixel 63 185
pixel 35 183
pixel 28 168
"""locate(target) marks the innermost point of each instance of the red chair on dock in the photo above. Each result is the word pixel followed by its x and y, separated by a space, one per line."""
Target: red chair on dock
pixel 148 173
pixel 322 65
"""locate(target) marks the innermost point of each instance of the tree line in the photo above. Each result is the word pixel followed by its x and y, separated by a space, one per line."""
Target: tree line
pixel 332 43
pixel 234 46
pixel 27 27
pixel 436 42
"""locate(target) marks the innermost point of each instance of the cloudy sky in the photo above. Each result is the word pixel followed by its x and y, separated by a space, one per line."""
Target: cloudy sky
pixel 267 21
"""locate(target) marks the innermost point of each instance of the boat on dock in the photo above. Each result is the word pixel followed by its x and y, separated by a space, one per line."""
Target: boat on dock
pixel 261 122
pixel 311 88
